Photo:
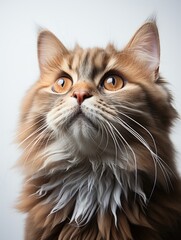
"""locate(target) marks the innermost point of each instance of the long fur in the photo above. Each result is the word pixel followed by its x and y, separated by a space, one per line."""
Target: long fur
pixel 102 169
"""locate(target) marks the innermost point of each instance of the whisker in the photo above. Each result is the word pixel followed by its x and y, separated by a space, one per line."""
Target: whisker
pixel 134 156
pixel 151 136
pixel 113 138
pixel 33 143
pixel 42 142
pixel 49 139
pixel 103 129
pixel 155 157
pixel 117 145
pixel 28 128
pixel 31 135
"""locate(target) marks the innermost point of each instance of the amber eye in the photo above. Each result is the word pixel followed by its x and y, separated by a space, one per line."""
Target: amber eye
pixel 62 85
pixel 113 83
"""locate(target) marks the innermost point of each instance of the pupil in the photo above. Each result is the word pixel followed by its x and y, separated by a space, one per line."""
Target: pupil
pixel 61 82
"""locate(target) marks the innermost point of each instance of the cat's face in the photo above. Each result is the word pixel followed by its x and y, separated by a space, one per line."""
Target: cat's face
pixel 102 104
pixel 89 93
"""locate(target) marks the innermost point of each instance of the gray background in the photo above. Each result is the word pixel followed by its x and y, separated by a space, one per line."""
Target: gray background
pixel 94 22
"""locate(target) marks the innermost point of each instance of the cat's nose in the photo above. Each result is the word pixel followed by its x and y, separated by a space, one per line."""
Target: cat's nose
pixel 81 95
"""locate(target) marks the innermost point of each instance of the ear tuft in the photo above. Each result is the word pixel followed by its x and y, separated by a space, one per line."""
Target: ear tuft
pixel 49 48
pixel 145 46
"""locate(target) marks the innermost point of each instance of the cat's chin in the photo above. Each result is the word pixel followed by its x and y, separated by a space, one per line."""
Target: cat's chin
pixel 84 132
pixel 81 121
pixel 82 127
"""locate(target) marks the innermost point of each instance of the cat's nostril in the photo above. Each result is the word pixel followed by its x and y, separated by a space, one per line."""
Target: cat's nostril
pixel 81 96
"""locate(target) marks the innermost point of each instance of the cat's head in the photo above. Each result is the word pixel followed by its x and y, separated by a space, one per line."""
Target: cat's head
pixel 103 105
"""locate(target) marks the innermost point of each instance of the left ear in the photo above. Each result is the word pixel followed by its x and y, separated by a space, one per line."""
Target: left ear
pixel 49 48
pixel 145 45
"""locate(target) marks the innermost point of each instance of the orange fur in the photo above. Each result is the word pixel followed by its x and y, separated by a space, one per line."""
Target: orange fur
pixel 151 115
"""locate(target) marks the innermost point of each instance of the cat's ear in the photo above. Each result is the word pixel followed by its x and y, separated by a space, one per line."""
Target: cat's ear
pixel 145 46
pixel 49 49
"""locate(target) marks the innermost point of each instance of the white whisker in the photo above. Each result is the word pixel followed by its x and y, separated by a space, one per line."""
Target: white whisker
pixel 34 142
pixel 155 157
pixel 31 135
pixel 151 136
pixel 132 151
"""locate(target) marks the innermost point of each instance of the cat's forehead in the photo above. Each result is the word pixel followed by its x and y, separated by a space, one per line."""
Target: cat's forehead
pixel 88 63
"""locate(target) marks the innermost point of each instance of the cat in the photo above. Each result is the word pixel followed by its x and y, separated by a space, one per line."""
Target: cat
pixel 97 157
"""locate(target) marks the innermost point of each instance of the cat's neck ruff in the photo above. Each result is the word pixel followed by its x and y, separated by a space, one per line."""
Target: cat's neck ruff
pixel 94 183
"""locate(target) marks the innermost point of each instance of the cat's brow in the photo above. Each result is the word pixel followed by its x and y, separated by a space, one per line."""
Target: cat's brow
pixel 91 63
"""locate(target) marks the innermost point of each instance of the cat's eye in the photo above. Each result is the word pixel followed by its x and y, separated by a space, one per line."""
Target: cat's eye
pixel 62 85
pixel 113 83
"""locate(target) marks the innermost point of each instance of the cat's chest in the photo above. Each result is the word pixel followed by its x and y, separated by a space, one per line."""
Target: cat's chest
pixel 89 186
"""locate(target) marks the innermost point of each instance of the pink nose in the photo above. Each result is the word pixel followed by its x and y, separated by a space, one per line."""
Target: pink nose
pixel 81 95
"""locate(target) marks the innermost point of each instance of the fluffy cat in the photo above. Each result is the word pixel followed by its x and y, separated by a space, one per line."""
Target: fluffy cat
pixel 97 157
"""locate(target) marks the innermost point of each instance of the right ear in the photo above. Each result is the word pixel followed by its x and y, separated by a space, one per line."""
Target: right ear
pixel 145 46
pixel 49 49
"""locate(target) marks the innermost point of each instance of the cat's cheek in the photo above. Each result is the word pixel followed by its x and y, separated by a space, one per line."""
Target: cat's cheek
pixel 59 117
pixel 50 124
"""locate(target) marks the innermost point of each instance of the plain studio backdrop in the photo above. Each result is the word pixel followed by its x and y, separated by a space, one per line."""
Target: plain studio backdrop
pixel 90 23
